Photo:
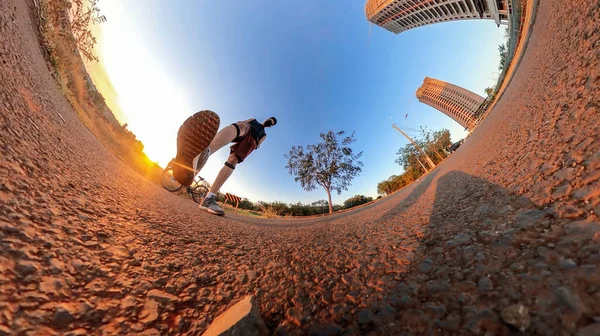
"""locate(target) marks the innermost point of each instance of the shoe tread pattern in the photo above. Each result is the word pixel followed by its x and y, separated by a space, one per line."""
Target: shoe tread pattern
pixel 195 135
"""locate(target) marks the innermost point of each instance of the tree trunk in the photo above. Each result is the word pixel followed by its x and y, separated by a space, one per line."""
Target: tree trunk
pixel 329 198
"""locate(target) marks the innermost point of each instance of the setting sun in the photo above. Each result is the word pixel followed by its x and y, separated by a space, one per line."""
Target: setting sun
pixel 153 103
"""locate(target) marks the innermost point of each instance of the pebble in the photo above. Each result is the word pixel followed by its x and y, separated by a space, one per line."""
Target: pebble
pixel 25 267
pixel 128 302
pixel 162 297
pixel 386 313
pixel 459 240
pixel 567 264
pixel 77 264
pixel 51 285
pixel 568 299
pixel 426 266
pixel 451 322
pixel 365 316
pixel 516 315
pixel 485 284
pixel 486 236
pixel 437 310
pixel 149 312
pixel 62 318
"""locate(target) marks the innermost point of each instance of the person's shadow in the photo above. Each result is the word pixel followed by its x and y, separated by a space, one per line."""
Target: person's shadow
pixel 488 262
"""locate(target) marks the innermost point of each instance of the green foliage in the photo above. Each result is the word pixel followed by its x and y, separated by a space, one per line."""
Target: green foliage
pixel 331 164
pixel 296 209
pixel 432 142
pixel 356 201
pixel 320 206
pixel 246 204
pixel 503 56
pixel 277 208
pixel 397 182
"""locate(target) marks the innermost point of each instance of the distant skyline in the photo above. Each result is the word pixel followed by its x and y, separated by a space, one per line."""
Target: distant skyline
pixel 311 64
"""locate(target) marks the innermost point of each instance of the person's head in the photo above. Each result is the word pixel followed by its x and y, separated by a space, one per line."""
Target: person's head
pixel 270 122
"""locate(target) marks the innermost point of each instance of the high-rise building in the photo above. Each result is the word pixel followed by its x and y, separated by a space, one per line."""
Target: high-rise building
pixel 454 101
pixel 400 15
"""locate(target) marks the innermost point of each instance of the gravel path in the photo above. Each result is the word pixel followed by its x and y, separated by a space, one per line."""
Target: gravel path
pixel 503 237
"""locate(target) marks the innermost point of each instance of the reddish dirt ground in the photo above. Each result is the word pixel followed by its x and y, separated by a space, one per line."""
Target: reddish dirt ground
pixel 502 237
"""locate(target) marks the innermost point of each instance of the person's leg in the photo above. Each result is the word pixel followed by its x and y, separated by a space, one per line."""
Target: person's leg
pixel 224 174
pixel 209 203
pixel 223 138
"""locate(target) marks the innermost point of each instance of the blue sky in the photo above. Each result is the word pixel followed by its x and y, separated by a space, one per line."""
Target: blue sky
pixel 308 63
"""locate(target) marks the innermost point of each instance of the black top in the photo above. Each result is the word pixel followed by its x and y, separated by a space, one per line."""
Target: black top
pixel 257 130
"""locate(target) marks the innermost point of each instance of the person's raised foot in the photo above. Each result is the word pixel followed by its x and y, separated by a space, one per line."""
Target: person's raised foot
pixel 193 138
pixel 210 205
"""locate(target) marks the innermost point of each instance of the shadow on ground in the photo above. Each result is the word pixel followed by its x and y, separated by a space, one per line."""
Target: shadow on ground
pixel 484 253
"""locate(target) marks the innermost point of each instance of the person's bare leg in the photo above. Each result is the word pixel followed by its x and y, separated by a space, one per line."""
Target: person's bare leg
pixel 224 174
pixel 210 203
pixel 223 138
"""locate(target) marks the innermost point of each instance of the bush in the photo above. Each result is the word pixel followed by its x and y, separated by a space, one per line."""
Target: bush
pixel 356 201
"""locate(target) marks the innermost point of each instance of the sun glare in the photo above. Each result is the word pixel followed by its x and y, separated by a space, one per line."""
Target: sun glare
pixel 153 103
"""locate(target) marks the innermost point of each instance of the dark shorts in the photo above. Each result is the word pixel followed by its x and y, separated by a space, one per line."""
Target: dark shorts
pixel 243 147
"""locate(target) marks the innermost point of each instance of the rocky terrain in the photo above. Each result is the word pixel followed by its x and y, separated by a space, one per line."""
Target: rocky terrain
pixel 503 238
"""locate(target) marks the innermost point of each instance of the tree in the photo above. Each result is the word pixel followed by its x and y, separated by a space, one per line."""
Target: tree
pixel 82 15
pixel 503 55
pixel 384 188
pixel 388 186
pixel 299 209
pixel 356 201
pixel 435 142
pixel 246 204
pixel 320 206
pixel 432 143
pixel 489 91
pixel 409 156
pixel 331 164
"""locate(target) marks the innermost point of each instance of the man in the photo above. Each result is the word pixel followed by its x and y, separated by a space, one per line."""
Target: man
pixel 197 139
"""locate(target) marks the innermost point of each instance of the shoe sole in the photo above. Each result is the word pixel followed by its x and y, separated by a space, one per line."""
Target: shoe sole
pixel 194 136
pixel 211 211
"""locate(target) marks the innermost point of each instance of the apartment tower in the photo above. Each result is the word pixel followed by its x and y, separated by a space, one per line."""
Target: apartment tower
pixel 400 15
pixel 454 101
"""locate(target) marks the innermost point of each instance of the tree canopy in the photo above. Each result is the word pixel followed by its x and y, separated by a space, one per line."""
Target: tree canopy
pixel 331 164
pixel 432 143
pixel 356 201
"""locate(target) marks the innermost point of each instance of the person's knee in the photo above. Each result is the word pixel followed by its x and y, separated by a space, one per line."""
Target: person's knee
pixel 231 162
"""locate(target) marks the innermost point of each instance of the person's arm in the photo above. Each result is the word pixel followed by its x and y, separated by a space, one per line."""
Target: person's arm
pixel 261 141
